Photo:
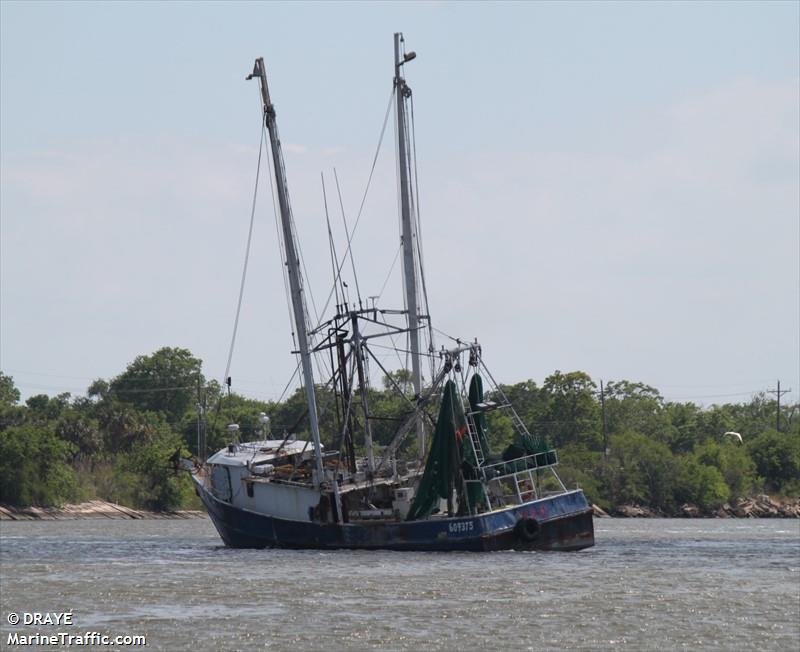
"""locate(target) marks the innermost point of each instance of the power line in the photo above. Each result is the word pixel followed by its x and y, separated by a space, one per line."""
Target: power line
pixel 691 398
pixel 605 422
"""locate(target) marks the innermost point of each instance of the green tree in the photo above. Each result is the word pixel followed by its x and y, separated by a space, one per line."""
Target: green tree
pixel 680 430
pixel 122 425
pixel 777 459
pixel 11 414
pixel 43 409
pixel 532 403
pixel 731 459
pixel 501 430
pixel 9 394
pixel 33 467
pixel 635 407
pixel 713 422
pixel 80 430
pixel 400 378
pixel 244 412
pixel 291 416
pixel 156 484
pixel 585 469
pixel 165 381
pixel 99 389
pixel 641 470
pixel 573 414
pixel 700 484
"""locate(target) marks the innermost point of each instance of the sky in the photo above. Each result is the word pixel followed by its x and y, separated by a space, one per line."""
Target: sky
pixel 606 187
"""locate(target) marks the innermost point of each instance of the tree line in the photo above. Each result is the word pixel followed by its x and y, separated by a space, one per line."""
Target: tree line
pixel 626 445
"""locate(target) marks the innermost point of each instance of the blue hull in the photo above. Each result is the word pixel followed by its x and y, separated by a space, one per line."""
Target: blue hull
pixel 562 522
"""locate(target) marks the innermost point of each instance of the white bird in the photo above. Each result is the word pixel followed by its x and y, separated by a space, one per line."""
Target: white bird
pixel 734 434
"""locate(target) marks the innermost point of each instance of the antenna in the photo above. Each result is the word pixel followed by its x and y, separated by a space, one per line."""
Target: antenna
pixel 334 259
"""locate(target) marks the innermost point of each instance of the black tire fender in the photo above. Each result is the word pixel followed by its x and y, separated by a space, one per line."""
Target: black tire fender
pixel 527 529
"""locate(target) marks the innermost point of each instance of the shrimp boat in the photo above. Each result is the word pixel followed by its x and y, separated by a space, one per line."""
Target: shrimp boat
pixel 433 483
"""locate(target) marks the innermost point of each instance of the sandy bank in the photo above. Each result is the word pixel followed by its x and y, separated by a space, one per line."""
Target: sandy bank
pixel 761 506
pixel 91 509
pixel 752 507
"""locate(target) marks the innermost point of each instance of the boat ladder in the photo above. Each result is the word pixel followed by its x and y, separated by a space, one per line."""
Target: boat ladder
pixel 525 485
pixel 476 441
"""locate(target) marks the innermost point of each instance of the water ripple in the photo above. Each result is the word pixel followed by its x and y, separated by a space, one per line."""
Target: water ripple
pixel 647 585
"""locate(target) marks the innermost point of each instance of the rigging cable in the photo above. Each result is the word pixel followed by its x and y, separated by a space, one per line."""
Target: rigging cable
pixel 331 245
pixel 391 269
pixel 284 257
pixel 457 340
pixel 392 348
pixel 282 252
pixel 293 232
pixel 286 389
pixel 347 233
pixel 431 343
pixel 363 199
pixel 413 203
pixel 244 271
pixel 246 257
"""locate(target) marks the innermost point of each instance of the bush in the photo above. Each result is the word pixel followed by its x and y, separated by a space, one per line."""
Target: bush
pixel 34 469
pixel 146 477
pixel 585 469
pixel 733 462
pixel 700 484
pixel 642 471
pixel 777 459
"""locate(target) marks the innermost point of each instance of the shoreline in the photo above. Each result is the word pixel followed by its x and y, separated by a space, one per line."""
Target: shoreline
pixel 88 510
pixel 761 506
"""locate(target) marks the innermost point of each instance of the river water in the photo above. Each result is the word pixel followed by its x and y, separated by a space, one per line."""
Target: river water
pixel 657 584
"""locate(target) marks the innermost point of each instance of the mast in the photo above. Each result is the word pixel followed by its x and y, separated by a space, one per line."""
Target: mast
pixel 363 391
pixel 409 235
pixel 292 264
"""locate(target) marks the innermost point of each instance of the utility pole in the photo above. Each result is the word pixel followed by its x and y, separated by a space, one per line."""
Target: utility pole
pixel 605 423
pixel 778 392
pixel 201 422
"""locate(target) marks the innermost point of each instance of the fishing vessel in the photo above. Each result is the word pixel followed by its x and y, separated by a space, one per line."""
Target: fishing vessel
pixel 434 484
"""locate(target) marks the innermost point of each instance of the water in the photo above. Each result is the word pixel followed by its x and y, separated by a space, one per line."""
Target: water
pixel 647 585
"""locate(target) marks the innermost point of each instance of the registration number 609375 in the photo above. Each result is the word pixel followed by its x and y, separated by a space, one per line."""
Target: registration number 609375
pixel 461 526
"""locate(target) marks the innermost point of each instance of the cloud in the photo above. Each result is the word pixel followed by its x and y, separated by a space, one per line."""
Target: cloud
pixel 674 243
pixel 332 151
pixel 294 148
pixel 671 251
